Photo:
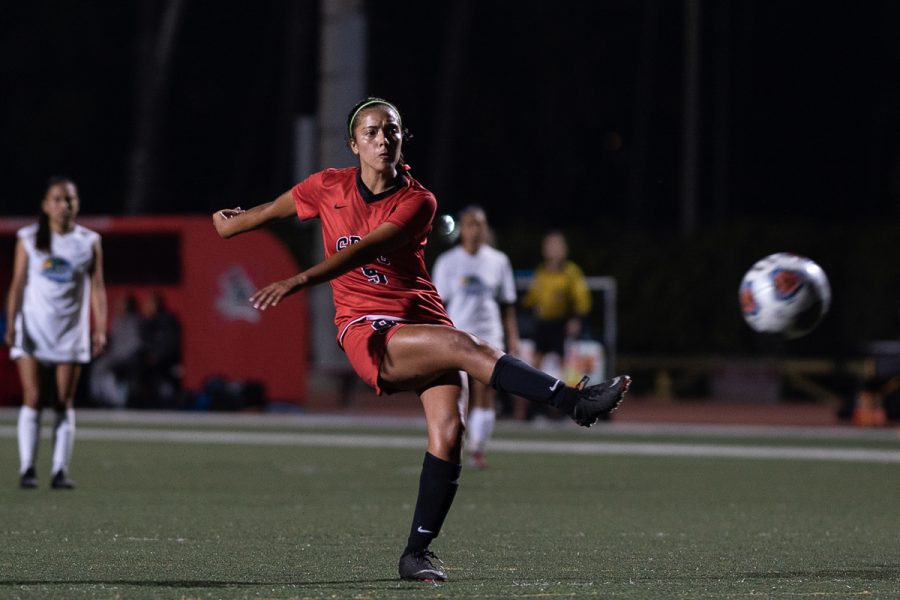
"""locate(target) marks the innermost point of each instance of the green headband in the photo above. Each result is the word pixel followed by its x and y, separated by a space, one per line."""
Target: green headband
pixel 367 105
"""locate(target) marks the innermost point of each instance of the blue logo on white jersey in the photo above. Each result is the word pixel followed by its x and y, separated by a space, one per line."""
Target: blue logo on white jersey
pixel 57 269
pixel 472 285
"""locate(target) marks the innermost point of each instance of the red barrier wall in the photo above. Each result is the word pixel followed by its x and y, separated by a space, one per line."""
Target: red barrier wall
pixel 206 282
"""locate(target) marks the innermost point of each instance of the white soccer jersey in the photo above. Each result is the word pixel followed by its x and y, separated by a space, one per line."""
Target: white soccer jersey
pixel 53 324
pixel 473 287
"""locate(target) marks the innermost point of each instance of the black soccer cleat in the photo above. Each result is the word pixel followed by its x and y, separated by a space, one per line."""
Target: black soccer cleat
pixel 417 566
pixel 61 482
pixel 598 401
pixel 28 479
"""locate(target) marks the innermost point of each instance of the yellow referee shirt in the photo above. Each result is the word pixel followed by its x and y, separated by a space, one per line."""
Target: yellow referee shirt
pixel 556 295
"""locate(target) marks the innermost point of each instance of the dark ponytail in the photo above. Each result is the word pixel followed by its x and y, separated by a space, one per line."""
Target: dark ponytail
pixel 42 240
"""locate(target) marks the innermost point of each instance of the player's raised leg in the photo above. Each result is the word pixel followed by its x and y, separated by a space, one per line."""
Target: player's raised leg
pixel 416 354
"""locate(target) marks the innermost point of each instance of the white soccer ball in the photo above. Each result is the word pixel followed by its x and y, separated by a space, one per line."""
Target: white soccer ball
pixel 785 294
pixel 447 227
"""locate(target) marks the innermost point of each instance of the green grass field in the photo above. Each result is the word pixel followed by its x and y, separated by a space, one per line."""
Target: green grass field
pixel 275 514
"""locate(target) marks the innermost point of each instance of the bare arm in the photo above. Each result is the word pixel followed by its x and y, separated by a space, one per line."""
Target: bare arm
pixel 98 302
pixel 510 328
pixel 384 239
pixel 16 288
pixel 230 222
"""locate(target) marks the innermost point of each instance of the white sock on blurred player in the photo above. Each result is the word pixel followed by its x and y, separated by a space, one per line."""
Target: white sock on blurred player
pixel 481 425
pixel 474 428
pixel 29 432
pixel 487 425
pixel 63 440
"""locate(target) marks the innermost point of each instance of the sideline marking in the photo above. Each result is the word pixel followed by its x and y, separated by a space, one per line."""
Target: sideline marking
pixel 327 440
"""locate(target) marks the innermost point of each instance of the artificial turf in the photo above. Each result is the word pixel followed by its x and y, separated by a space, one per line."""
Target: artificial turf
pixel 213 520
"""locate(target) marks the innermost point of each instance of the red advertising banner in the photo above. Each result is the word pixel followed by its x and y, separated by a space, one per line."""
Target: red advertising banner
pixel 206 282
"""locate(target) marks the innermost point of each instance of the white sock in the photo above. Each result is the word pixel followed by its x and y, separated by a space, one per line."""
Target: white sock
pixel 476 429
pixel 487 425
pixel 29 434
pixel 63 440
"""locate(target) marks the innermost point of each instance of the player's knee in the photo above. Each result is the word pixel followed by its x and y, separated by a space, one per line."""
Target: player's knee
pixel 31 397
pixel 452 430
pixel 466 343
pixel 448 436
pixel 453 443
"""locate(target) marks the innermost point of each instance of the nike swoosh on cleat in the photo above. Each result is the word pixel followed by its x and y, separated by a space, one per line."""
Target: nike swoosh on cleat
pixel 554 386
pixel 421 530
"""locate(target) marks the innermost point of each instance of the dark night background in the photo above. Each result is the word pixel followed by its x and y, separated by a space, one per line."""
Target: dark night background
pixel 564 114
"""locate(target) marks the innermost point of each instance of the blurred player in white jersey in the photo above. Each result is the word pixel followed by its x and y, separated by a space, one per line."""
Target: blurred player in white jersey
pixel 477 285
pixel 57 282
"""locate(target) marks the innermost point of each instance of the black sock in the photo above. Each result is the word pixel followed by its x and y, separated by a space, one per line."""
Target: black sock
pixel 437 487
pixel 513 376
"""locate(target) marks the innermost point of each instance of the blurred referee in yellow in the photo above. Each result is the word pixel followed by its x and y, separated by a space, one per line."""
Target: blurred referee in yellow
pixel 559 299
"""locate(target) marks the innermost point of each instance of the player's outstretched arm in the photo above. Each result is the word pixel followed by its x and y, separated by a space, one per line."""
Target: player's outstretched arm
pixel 382 240
pixel 230 222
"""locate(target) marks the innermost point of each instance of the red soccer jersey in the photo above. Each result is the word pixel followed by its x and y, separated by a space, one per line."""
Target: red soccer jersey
pixel 396 285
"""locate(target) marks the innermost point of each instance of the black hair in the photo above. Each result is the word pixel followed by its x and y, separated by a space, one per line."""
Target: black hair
pixel 468 209
pixel 372 101
pixel 42 239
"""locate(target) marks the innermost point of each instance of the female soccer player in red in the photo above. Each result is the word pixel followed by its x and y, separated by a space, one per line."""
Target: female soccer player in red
pixel 390 320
